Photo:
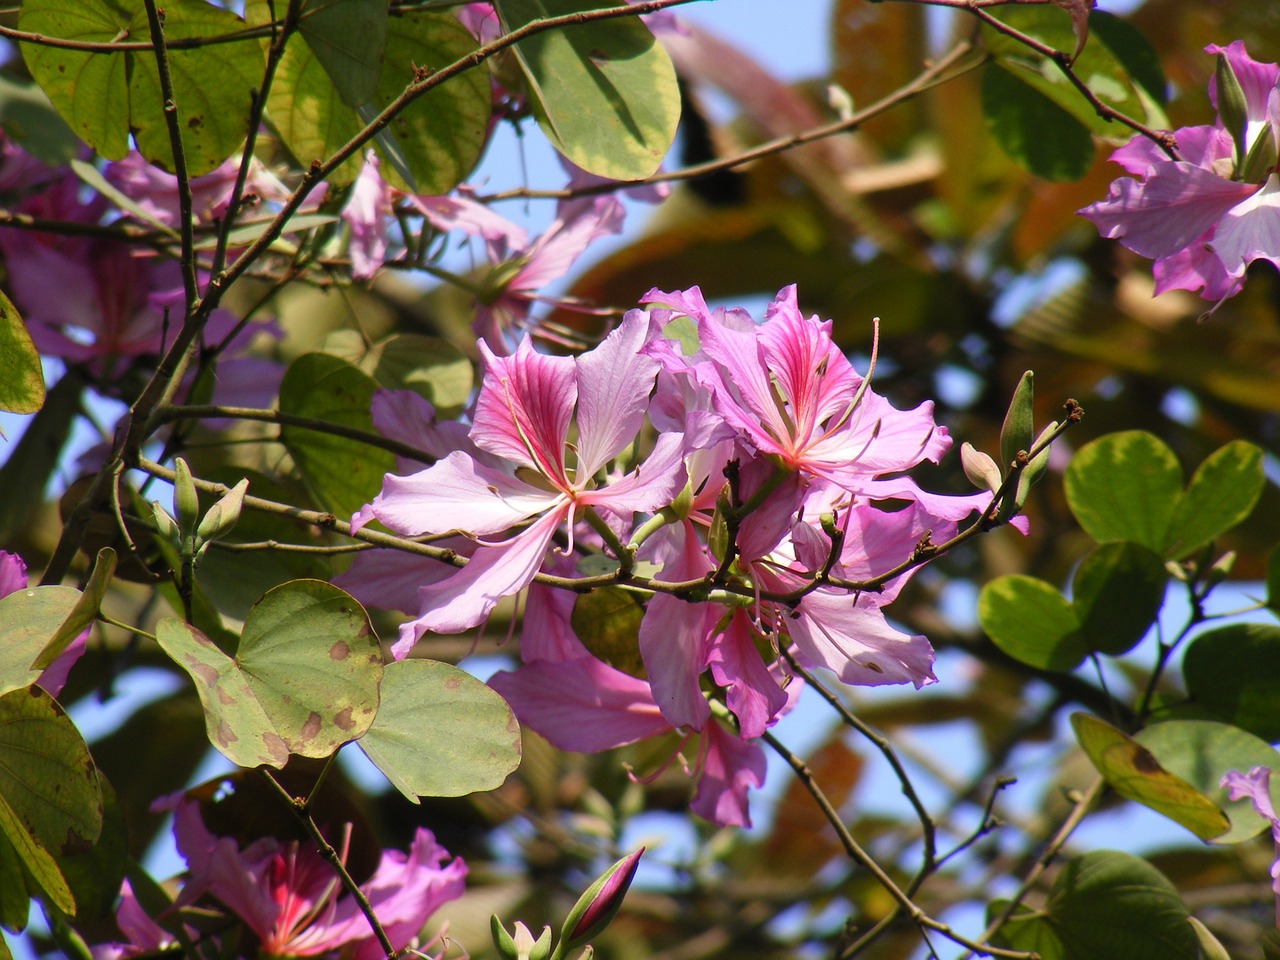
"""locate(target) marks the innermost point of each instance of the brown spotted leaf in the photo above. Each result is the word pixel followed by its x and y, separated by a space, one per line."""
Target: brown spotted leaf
pixel 304 679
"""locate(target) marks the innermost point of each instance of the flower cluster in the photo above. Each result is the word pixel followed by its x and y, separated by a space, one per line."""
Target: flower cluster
pixel 760 511
pixel 1205 214
pixel 288 898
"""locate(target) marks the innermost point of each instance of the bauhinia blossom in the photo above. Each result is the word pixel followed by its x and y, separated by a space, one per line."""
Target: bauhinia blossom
pixel 1256 785
pixel 527 405
pixel 1205 216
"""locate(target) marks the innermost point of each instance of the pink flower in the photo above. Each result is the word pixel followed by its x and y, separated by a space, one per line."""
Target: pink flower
pixel 587 706
pixel 1256 785
pixel 1199 217
pixel 293 901
pixel 156 191
pixel 524 412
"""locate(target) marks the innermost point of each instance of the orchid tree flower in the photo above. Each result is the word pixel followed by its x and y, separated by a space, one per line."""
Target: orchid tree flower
pixel 1207 215
pixel 1256 785
pixel 526 408
pixel 292 899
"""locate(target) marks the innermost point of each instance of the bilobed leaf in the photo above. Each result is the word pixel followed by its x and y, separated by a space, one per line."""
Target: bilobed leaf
pixel 603 92
pixel 1134 773
pixel 105 97
pixel 1223 491
pixel 31 461
pixel 1032 129
pixel 94 875
pixel 1125 486
pixel 343 475
pixel 440 134
pixel 30 119
pixel 15 903
pixel 1130 46
pixel 1200 752
pixel 304 678
pixel 348 37
pixel 89 90
pixel 1117 592
pixel 21 379
pixel 1107 905
pixel 50 799
pixel 1032 622
pixel 1234 672
pixel 440 732
pixel 429 366
pixel 28 621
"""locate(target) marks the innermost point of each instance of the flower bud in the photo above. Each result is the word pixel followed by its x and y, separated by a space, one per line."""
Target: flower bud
pixel 597 906
pixel 521 945
pixel 222 516
pixel 1018 426
pixel 981 470
pixel 186 502
pixel 1232 106
pixel 166 526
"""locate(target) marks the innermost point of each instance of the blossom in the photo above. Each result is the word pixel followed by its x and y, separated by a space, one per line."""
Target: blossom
pixel 1207 215
pixel 1256 785
pixel 526 407
pixel 292 899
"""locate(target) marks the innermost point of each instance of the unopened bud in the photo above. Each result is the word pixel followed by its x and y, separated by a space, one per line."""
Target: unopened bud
pixel 1221 568
pixel 186 502
pixel 166 526
pixel 222 516
pixel 521 945
pixel 1232 106
pixel 1016 431
pixel 981 470
pixel 597 906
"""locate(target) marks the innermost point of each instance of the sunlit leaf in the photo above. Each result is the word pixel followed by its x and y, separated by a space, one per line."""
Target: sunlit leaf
pixel 21 379
pixel 1028 930
pixel 1223 491
pixel 28 621
pixel 50 799
pixel 1200 752
pixel 107 97
pixel 440 134
pixel 473 741
pixel 604 92
pixel 1032 622
pixel 1125 486
pixel 1234 672
pixel 1134 773
pixel 348 37
pixel 429 366
pixel 304 678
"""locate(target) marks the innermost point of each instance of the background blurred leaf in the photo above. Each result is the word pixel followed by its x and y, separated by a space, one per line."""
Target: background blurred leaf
pixel 21 379
pixel 1234 672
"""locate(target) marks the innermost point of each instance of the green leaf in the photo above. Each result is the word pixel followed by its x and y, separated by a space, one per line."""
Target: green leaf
pixel 1273 581
pixel 1018 429
pixel 28 621
pixel 1027 930
pixel 1107 905
pixel 1134 773
pixel 1117 592
pixel 607 621
pixel 440 732
pixel 1032 622
pixel 15 903
pixel 1209 944
pixel 1200 752
pixel 50 798
pixel 431 367
pixel 1032 129
pixel 85 611
pixel 1097 66
pixel 440 134
pixel 343 475
pixel 1125 486
pixel 603 92
pixel 1130 46
pixel 304 679
pixel 24 476
pixel 106 97
pixel 348 37
pixel 1223 491
pixel 94 875
pixel 89 90
pixel 21 379
pixel 1233 672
